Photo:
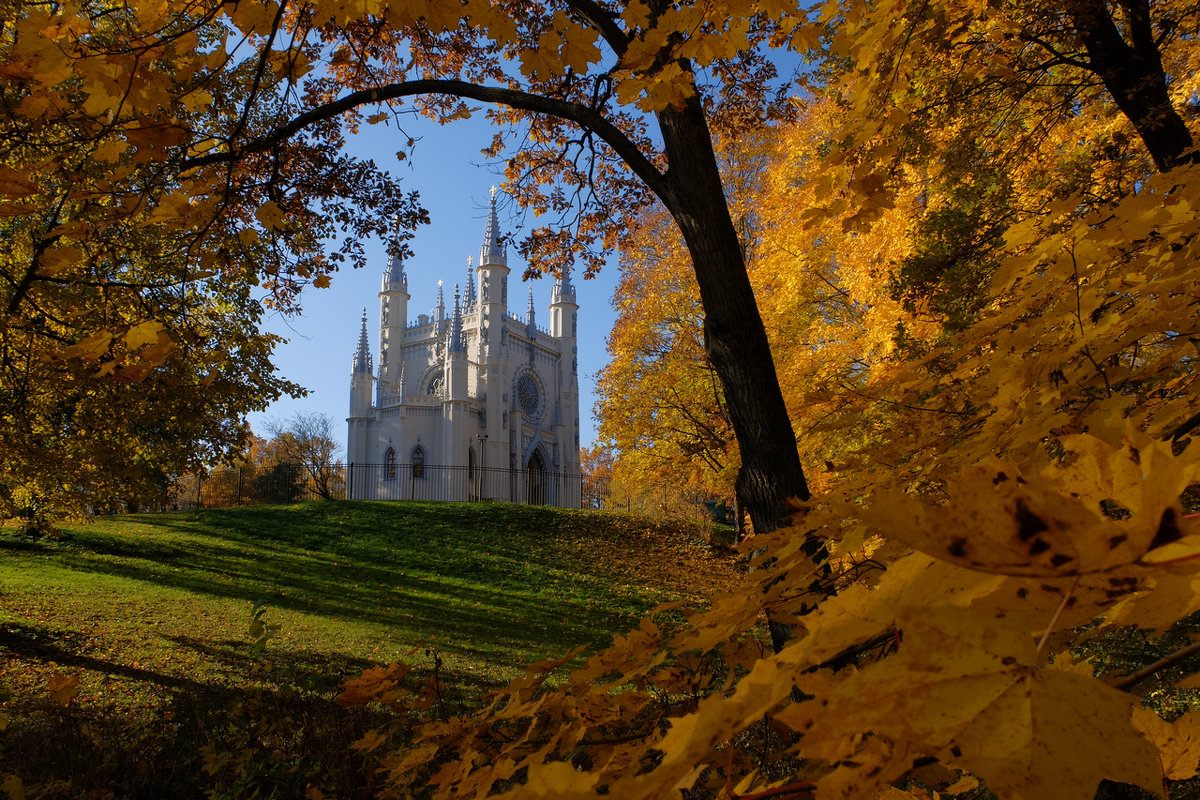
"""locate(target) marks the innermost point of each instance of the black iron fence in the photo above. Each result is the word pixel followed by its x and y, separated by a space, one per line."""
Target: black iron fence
pixel 293 483
pixel 474 484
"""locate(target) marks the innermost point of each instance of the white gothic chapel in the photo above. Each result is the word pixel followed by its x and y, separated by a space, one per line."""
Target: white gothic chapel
pixel 474 403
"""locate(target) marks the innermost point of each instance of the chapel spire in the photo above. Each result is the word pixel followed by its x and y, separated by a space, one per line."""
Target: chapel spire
pixel 493 250
pixel 469 296
pixel 362 355
pixel 394 272
pixel 529 319
pixel 458 343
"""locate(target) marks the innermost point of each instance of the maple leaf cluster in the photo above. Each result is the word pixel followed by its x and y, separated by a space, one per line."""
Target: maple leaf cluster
pixel 933 631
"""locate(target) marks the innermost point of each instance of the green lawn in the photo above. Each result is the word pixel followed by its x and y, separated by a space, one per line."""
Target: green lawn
pixel 151 613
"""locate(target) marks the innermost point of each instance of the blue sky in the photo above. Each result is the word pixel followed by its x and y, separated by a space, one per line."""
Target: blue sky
pixel 448 170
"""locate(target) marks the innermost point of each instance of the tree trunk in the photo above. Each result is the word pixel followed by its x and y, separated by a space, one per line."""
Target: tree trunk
pixel 734 337
pixel 1133 74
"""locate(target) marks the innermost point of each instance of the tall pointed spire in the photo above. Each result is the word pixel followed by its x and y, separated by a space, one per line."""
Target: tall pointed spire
pixel 439 311
pixel 394 272
pixel 529 311
pixel 469 295
pixel 362 355
pixel 492 252
pixel 458 344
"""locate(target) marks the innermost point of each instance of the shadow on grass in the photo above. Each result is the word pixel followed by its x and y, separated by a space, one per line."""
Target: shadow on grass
pixel 31 643
pixel 271 733
pixel 460 589
pixel 494 585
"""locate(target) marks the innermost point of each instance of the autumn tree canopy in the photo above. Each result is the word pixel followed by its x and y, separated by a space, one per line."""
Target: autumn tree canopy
pixel 1001 381
pixel 132 287
pixel 226 122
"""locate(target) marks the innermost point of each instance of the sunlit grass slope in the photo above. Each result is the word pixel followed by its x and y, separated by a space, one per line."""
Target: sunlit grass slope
pixel 151 612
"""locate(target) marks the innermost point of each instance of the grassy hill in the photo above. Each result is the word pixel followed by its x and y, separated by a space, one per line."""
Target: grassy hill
pixel 151 614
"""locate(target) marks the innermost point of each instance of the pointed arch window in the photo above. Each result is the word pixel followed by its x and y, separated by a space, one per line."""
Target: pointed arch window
pixel 389 464
pixel 418 462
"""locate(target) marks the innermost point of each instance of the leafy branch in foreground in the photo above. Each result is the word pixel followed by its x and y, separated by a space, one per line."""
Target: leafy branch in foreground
pixel 1043 506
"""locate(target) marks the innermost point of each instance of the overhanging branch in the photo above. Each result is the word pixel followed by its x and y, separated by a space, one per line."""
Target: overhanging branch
pixel 581 115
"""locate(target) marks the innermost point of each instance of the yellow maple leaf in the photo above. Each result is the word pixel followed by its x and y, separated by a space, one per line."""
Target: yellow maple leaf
pixel 59 259
pixel 63 688
pixel 538 62
pixel 90 348
pixel 372 682
pixel 370 741
pixel 110 150
pixel 14 787
pixel 270 215
pixel 972 695
pixel 255 17
pixel 1079 731
pixel 198 100
pixel 778 8
pixel 132 373
pixel 579 48
pixel 999 520
pixel 555 779
pixel 964 784
pixel 636 15
pixel 1178 742
pixel 144 333
pixel 14 183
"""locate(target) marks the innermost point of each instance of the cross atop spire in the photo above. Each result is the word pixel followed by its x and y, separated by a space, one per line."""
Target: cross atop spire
pixel 362 355
pixel 492 253
pixel 394 272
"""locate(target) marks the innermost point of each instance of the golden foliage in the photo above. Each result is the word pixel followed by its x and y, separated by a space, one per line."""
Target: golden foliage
pixel 991 490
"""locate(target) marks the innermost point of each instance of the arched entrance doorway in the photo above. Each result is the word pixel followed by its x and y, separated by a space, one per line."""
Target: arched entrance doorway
pixel 535 479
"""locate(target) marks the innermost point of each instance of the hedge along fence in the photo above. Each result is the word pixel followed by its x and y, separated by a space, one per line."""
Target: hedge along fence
pixel 293 483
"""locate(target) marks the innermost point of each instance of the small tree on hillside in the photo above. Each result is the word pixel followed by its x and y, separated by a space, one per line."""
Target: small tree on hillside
pixel 306 440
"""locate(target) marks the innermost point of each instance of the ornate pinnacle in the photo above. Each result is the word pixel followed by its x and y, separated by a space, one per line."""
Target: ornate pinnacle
pixel 362 355
pixel 457 342
pixel 492 251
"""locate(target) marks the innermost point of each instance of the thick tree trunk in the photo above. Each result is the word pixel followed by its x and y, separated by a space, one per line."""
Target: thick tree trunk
pixel 1133 74
pixel 734 336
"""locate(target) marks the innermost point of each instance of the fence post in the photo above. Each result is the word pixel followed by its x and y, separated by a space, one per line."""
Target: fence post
pixel 199 481
pixel 350 481
pixel 239 491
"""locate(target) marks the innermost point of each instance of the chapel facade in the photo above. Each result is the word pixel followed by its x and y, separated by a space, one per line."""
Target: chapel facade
pixel 470 402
